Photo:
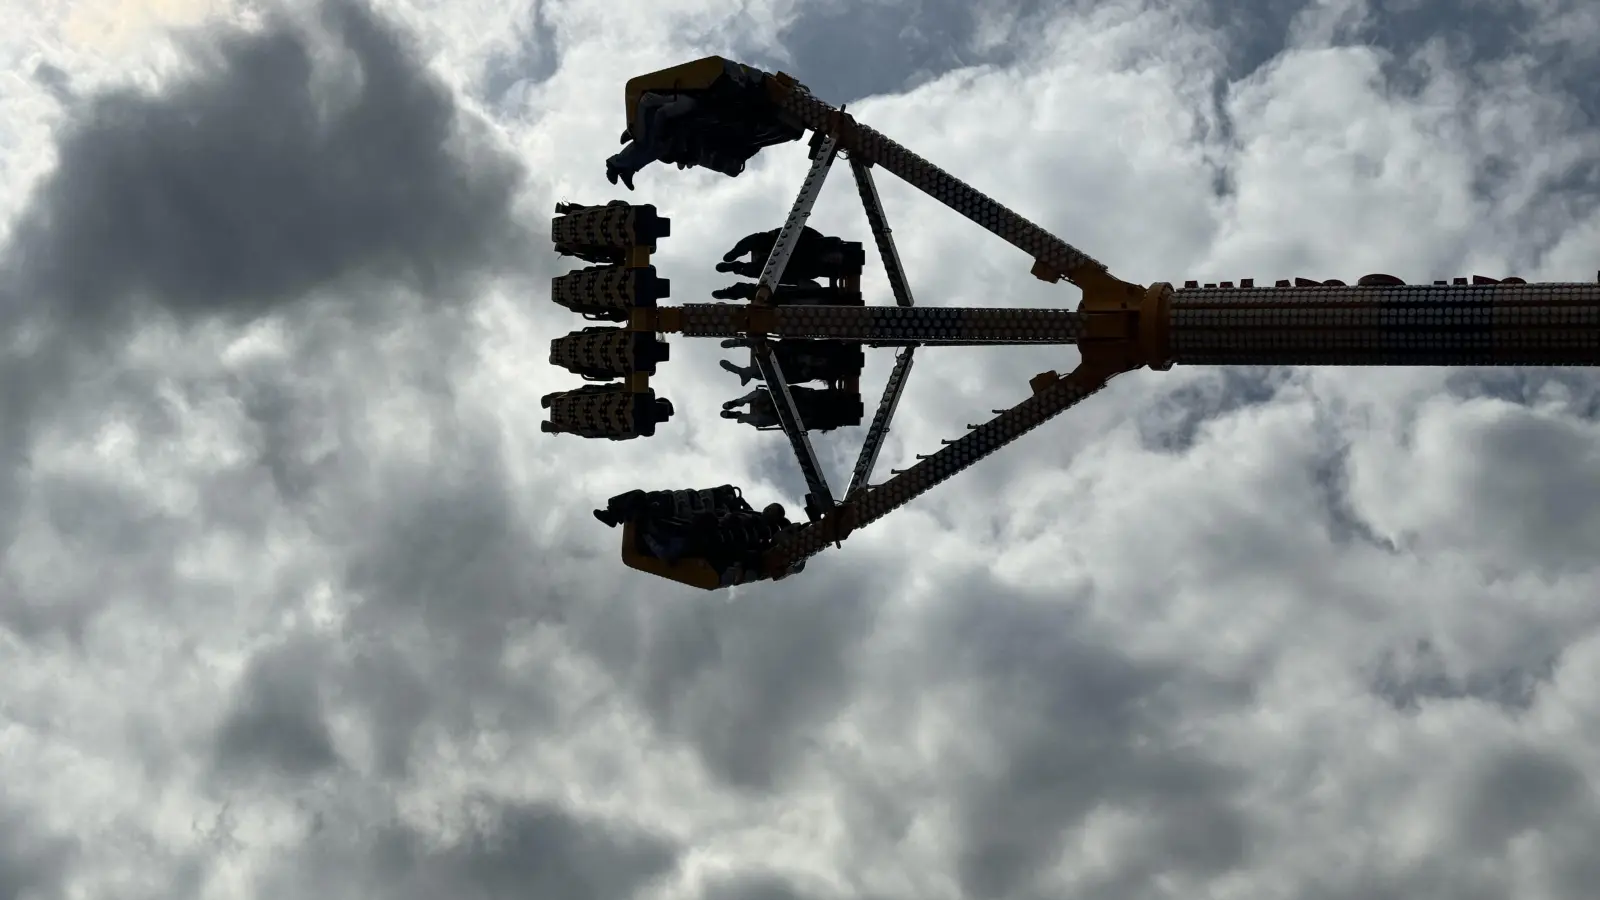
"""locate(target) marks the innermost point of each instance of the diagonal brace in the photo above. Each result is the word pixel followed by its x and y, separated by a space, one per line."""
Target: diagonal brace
pixel 881 233
pixel 884 238
pixel 1054 258
pixel 879 429
pixel 821 496
pixel 1051 396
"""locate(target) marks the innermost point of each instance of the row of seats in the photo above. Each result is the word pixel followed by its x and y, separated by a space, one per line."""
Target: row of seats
pixel 712 113
pixel 619 237
pixel 822 270
pixel 715 528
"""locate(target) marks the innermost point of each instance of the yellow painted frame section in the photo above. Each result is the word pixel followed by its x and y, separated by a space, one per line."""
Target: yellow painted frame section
pixel 690 76
pixel 691 571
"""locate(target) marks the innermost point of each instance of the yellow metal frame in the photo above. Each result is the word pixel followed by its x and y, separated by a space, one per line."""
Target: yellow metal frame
pixel 690 76
pixel 691 571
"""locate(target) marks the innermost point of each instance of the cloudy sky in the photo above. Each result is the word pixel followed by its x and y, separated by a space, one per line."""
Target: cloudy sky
pixel 297 601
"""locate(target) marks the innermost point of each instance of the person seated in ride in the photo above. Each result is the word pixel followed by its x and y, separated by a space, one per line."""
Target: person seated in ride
pixel 815 256
pixel 806 360
pixel 734 546
pixel 598 254
pixel 623 508
pixel 657 127
pixel 677 128
pixel 567 208
pixel 821 409
pixel 722 537
pixel 805 293
pixel 674 525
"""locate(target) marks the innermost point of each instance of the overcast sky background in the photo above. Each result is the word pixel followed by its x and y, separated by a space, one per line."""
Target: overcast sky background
pixel 297 601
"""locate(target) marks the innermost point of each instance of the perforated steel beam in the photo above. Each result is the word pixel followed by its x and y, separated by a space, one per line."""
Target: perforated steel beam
pixel 1118 327
pixel 821 496
pixel 1054 258
pixel 789 235
pixel 1049 400
pixel 872 445
pixel 881 233
pixel 1401 325
pixel 879 429
pixel 1404 325
pixel 932 325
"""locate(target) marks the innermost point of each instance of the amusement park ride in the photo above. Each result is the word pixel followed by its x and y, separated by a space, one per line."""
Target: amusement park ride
pixel 717 114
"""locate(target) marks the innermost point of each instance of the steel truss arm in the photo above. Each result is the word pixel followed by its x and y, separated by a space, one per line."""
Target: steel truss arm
pixel 884 238
pixel 1401 325
pixel 929 325
pixel 1054 258
pixel 1051 397
pixel 881 233
pixel 821 496
pixel 1118 327
pixel 1391 325
pixel 879 429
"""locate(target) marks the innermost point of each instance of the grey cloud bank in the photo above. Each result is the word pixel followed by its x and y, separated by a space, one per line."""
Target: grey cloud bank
pixel 295 606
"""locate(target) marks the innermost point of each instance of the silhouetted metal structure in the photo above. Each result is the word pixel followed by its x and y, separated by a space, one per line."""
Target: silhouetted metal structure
pixel 1117 327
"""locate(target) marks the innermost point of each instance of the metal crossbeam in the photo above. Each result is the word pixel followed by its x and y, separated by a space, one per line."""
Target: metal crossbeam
pixel 1054 258
pixel 880 422
pixel 881 234
pixel 821 496
pixel 1119 327
pixel 952 325
pixel 1048 401
pixel 794 430
pixel 1390 325
pixel 884 238
pixel 799 214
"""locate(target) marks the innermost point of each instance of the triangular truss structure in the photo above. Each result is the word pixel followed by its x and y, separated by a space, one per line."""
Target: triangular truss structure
pixel 1118 326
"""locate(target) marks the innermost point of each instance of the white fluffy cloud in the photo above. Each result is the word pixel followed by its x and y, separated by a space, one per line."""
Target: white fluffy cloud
pixel 296 600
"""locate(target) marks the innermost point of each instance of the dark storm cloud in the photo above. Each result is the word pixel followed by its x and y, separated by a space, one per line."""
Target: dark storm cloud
pixel 1579 390
pixel 249 181
pixel 448 571
pixel 1479 43
pixel 753 886
pixel 451 553
pixel 1260 30
pixel 541 850
pixel 445 572
pixel 55 80
pixel 271 170
pixel 533 58
pixel 1069 726
pixel 847 51
pixel 1521 790
pixel 111 536
pixel 277 723
pixel 396 699
pixel 32 864
pixel 1577 866
pixel 746 682
pixel 289 419
pixel 509 850
pixel 774 463
pixel 1555 504
pixel 1510 796
pixel 1345 523
pixel 1410 678
pixel 1170 421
